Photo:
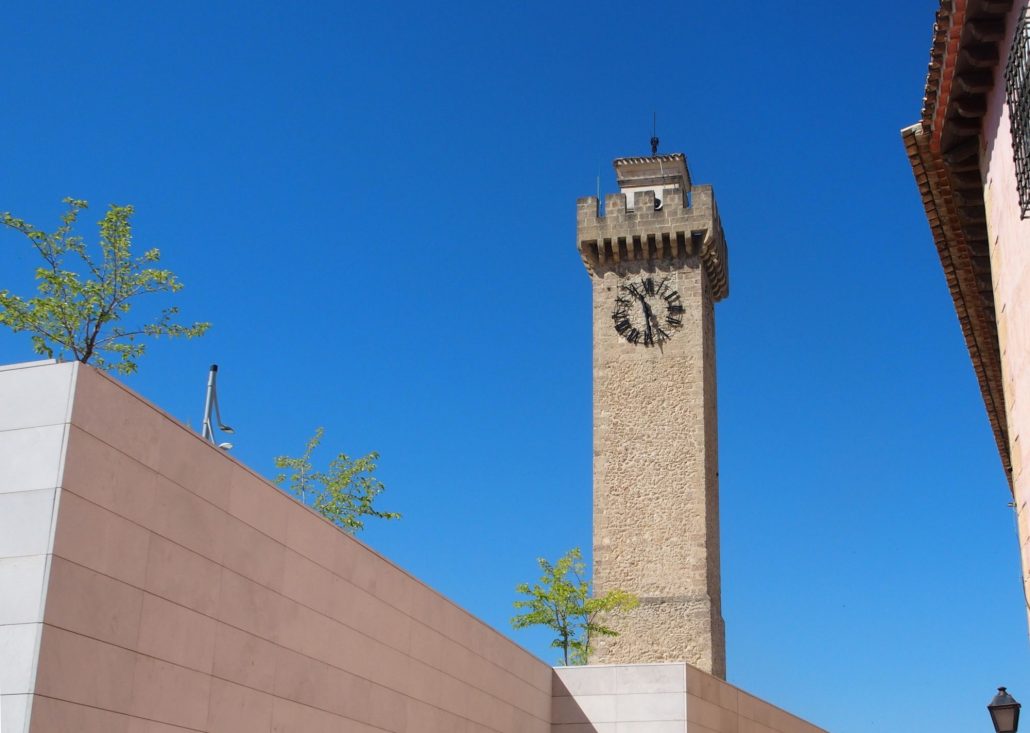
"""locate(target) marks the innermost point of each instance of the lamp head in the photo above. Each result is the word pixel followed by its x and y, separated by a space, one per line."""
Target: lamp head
pixel 1004 712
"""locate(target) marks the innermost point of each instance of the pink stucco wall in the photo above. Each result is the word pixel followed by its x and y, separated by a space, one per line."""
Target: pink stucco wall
pixel 187 594
pixel 1010 265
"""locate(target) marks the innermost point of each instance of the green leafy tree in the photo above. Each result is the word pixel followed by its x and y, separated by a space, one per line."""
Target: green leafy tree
pixel 83 299
pixel 562 602
pixel 345 494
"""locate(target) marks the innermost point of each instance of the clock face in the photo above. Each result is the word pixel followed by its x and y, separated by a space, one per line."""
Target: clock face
pixel 647 311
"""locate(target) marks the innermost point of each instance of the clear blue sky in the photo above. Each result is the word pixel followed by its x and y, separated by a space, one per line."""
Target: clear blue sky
pixel 374 204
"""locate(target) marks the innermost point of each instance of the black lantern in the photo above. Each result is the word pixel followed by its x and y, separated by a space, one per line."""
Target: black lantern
pixel 1004 712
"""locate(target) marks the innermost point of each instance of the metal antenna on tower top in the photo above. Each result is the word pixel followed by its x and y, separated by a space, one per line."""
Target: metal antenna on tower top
pixel 654 134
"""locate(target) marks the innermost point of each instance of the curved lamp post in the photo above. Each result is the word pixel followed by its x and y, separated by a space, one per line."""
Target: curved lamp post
pixel 1004 712
pixel 211 404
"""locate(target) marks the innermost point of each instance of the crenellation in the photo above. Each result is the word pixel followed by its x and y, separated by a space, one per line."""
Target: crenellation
pixel 614 206
pixel 587 208
pixel 676 231
pixel 673 199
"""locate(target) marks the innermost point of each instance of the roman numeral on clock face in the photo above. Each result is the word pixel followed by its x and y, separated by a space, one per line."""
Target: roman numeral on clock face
pixel 647 310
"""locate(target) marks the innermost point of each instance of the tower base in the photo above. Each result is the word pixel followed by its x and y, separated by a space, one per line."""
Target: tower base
pixel 666 630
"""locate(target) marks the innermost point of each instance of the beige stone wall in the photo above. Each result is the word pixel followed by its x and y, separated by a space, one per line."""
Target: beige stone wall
pixel 633 698
pixel 188 594
pixel 656 529
pixel 1010 266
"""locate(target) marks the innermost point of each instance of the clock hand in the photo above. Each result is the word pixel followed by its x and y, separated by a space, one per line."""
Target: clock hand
pixel 647 321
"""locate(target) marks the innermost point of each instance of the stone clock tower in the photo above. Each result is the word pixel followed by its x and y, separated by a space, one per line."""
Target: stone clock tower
pixel 657 261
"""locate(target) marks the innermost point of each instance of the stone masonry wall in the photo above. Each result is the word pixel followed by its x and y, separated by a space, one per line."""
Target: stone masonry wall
pixel 711 417
pixel 656 531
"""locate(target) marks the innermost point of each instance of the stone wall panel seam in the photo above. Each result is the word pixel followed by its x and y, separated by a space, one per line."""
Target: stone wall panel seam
pixel 260 690
pixel 215 618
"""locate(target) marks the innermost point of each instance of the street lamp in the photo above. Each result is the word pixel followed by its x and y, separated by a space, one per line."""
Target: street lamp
pixel 211 404
pixel 1004 712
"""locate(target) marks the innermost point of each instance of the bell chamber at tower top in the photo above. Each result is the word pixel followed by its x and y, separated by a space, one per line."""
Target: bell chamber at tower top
pixel 657 216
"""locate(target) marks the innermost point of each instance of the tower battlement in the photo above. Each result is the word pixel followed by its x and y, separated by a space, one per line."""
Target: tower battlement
pixel 681 228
